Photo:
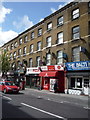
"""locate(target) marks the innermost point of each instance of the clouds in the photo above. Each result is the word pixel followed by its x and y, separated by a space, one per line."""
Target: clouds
pixel 3 12
pixel 5 36
pixel 23 23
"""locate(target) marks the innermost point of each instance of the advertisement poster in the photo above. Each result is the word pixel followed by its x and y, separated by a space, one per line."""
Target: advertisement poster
pixel 52 82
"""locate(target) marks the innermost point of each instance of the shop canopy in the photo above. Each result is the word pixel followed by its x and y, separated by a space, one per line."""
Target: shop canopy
pixel 49 74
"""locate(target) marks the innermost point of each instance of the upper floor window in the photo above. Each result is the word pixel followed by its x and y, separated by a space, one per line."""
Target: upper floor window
pixel 8 47
pixel 14 54
pixel 20 41
pixel 25 39
pixel 32 35
pixel 75 13
pixel 39 46
pixel 48 41
pixel 60 38
pixel 89 7
pixel 19 51
pixel 60 21
pixel 10 56
pixel 76 32
pixel 30 62
pixel 48 59
pixel 15 44
pixel 76 54
pixel 59 57
pixel 24 50
pixel 31 48
pixel 38 61
pixel 49 26
pixel 40 32
pixel 12 46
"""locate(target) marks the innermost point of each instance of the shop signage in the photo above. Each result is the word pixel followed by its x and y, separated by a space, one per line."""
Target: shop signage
pixel 52 67
pixel 33 70
pixel 81 65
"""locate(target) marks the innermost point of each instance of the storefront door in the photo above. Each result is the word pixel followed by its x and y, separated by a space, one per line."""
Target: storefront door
pixel 86 86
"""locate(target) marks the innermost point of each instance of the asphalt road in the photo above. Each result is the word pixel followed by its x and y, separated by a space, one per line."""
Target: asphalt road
pixel 34 104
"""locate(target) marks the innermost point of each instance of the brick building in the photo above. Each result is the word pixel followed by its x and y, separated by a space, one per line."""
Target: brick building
pixel 59 39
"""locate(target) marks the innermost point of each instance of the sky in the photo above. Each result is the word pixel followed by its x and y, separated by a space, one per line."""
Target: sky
pixel 16 17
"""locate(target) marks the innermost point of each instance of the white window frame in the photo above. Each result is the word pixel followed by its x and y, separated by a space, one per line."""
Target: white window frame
pixel 76 32
pixel 60 38
pixel 60 21
pixel 38 61
pixel 40 32
pixel 75 13
pixel 39 46
pixel 76 54
pixel 31 48
pixel 48 59
pixel 49 26
pixel 30 62
pixel 32 35
pixel 59 57
pixel 48 41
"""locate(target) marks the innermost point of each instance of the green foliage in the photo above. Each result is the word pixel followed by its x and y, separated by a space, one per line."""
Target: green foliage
pixel 5 65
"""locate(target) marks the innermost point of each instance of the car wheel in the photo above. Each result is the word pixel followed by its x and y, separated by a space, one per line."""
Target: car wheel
pixel 5 91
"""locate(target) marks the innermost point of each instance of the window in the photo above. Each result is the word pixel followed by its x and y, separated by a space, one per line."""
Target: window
pixel 76 54
pixel 12 46
pixel 48 41
pixel 40 32
pixel 86 82
pixel 8 47
pixel 25 39
pixel 76 32
pixel 20 41
pixel 24 50
pixel 60 38
pixel 59 57
pixel 79 83
pixel 31 48
pixel 30 62
pixel 49 26
pixel 10 56
pixel 14 55
pixel 38 61
pixel 88 7
pixel 48 59
pixel 19 51
pixel 32 35
pixel 39 46
pixel 60 21
pixel 75 13
pixel 15 44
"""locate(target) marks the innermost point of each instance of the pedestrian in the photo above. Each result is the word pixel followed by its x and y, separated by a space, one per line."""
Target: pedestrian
pixel 56 87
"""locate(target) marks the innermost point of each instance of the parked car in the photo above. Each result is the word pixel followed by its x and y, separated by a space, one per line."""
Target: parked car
pixel 8 87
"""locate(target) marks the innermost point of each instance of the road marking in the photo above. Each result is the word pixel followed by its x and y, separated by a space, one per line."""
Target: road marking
pixel 86 108
pixel 7 98
pixel 44 111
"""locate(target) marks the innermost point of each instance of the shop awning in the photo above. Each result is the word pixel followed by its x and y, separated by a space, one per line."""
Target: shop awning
pixel 49 74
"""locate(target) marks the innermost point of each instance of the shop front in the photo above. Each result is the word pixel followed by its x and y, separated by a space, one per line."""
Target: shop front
pixel 78 76
pixel 51 74
pixel 32 77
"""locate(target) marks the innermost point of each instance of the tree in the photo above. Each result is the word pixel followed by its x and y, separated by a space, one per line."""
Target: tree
pixel 5 65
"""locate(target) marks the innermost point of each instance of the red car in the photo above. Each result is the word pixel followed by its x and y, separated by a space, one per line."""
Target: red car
pixel 8 87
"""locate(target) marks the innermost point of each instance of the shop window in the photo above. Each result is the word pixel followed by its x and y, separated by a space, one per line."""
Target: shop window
pixel 79 82
pixel 86 82
pixel 76 54
pixel 76 32
pixel 75 13
pixel 72 82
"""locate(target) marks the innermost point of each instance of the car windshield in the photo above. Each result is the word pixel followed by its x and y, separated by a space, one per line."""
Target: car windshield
pixel 9 83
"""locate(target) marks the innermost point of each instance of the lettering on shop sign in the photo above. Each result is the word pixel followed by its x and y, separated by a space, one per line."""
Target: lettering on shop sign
pixel 81 65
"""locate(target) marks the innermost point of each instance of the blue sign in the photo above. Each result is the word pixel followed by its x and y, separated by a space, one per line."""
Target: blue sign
pixel 81 65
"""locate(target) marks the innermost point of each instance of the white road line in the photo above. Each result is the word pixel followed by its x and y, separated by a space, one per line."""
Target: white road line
pixel 86 108
pixel 44 111
pixel 7 98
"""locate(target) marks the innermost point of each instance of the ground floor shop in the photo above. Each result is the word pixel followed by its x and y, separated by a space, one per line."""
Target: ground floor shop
pixel 78 78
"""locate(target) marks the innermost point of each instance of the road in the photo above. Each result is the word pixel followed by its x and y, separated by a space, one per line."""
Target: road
pixel 35 104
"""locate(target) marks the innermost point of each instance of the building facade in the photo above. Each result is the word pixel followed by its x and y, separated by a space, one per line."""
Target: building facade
pixel 61 37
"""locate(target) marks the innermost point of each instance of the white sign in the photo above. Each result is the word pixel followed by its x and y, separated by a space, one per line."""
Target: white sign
pixel 33 70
